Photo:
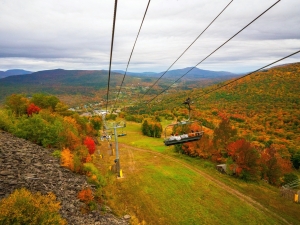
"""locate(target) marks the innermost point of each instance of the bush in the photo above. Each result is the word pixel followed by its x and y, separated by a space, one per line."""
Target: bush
pixel 290 178
pixel 23 207
pixel 56 154
pixel 94 175
pixel 86 195
pixel 6 120
pixel 208 164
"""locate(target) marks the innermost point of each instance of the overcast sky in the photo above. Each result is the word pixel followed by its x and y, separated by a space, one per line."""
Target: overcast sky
pixel 75 34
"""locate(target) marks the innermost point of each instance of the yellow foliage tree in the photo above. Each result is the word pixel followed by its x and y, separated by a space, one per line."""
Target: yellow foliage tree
pixel 23 207
pixel 67 159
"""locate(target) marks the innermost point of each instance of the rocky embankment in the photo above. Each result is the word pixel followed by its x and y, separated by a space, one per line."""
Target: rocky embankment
pixel 24 164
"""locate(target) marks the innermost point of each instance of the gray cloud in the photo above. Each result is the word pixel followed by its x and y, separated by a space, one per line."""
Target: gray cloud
pixel 75 34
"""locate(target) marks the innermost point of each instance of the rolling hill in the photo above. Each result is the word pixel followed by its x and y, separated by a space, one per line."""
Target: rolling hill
pixel 58 82
pixel 89 82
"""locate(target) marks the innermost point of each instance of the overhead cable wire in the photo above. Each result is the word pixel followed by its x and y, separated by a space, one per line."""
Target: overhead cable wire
pixel 248 74
pixel 215 50
pixel 187 48
pixel 111 50
pixel 132 52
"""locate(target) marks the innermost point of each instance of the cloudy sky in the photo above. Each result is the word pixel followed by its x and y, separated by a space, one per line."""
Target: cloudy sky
pixel 74 34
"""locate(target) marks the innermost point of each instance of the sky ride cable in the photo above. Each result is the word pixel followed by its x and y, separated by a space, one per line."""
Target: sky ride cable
pixel 214 51
pixel 131 53
pixel 111 50
pixel 206 93
pixel 187 49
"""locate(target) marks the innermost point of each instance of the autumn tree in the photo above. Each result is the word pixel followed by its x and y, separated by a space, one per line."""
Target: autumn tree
pixel 296 160
pixel 245 159
pixel 90 144
pixel 45 101
pixel 274 165
pixel 145 128
pixel 17 103
pixel 96 122
pixel 62 109
pixel 67 159
pixel 32 108
pixel 223 134
pixel 81 154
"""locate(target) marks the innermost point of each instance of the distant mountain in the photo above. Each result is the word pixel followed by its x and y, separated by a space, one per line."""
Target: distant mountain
pixel 13 72
pixel 195 73
pixel 153 74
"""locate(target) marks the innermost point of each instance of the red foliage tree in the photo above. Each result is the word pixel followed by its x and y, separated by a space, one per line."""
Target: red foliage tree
pixel 274 165
pixel 223 134
pixel 90 144
pixel 32 108
pixel 246 159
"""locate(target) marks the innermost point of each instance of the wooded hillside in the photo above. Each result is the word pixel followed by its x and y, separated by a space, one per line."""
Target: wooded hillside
pixel 264 107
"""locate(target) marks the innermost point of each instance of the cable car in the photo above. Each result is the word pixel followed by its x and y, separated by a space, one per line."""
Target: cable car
pixel 185 137
pixel 105 136
pixel 182 138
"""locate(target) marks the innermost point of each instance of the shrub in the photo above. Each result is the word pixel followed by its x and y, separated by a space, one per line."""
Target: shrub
pixel 6 120
pixel 290 178
pixel 86 195
pixel 94 175
pixel 208 164
pixel 56 154
pixel 23 207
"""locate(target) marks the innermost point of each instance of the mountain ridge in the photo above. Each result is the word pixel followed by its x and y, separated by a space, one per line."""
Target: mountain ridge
pixel 194 73
pixel 13 72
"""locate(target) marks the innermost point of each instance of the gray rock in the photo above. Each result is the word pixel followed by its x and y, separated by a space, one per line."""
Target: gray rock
pixel 5 173
pixel 127 217
pixel 24 164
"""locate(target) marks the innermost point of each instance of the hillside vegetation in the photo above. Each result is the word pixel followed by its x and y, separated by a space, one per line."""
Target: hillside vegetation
pixel 264 107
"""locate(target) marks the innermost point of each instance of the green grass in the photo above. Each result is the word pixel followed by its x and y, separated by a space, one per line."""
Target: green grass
pixel 160 191
pixel 135 138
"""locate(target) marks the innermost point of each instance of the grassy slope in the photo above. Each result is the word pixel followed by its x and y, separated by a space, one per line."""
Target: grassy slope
pixel 160 191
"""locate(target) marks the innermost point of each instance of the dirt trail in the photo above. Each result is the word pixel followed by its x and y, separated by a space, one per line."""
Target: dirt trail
pixel 230 190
